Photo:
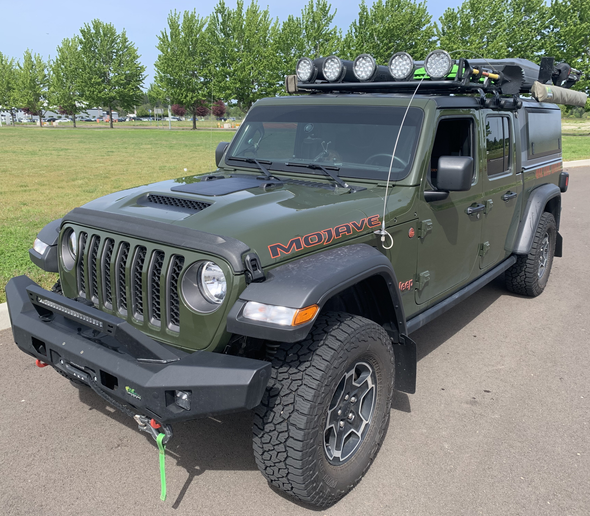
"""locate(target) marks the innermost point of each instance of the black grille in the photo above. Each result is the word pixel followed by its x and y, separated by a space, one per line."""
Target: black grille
pixel 154 289
pixel 107 256
pixel 173 300
pixel 177 202
pixel 136 282
pixel 92 265
pixel 122 278
pixel 82 266
pixel 113 271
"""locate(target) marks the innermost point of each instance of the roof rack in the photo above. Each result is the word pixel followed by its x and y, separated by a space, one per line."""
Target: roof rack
pixel 497 82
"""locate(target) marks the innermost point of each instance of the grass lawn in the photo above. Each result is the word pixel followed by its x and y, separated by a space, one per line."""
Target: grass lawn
pixel 47 172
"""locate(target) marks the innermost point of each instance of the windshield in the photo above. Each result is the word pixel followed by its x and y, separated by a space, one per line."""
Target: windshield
pixel 357 141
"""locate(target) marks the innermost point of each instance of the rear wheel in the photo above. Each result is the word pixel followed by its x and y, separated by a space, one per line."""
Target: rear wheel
pixel 529 275
pixel 326 409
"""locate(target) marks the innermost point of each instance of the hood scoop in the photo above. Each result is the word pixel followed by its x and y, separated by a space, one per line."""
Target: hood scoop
pixel 224 186
pixel 168 202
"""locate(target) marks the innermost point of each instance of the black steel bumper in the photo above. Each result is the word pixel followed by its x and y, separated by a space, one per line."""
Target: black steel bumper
pixel 83 343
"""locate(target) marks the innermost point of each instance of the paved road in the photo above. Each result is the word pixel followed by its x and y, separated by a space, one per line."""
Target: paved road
pixel 500 423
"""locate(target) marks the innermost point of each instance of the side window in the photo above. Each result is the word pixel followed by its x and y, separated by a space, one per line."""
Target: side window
pixel 454 137
pixel 498 144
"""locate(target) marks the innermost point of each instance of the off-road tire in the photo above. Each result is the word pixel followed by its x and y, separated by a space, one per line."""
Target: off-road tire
pixel 290 423
pixel 529 275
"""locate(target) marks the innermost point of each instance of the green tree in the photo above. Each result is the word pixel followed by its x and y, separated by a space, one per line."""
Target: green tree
pixel 477 28
pixel 289 45
pixel 111 74
pixel 390 26
pixel 245 66
pixel 33 85
pixel 64 87
pixel 8 85
pixel 321 38
pixel 569 38
pixel 183 65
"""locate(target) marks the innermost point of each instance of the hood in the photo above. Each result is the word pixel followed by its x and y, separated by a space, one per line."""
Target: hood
pixel 275 219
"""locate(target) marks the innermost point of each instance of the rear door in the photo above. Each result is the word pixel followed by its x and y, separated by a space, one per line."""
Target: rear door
pixel 502 186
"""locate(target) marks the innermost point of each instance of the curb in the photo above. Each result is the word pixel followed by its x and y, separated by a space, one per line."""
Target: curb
pixel 5 319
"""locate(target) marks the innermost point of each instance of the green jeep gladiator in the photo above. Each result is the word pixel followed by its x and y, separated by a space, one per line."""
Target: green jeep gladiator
pixel 289 281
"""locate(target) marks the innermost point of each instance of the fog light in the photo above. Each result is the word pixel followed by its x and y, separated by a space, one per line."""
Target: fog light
pixel 183 399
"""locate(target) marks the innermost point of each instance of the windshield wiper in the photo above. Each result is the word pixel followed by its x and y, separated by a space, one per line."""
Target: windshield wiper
pixel 260 165
pixel 315 166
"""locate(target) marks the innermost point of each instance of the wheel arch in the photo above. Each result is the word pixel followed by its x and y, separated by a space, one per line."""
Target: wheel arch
pixel 545 198
pixel 357 279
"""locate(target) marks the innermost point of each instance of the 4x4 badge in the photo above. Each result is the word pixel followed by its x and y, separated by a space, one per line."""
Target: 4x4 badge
pixel 325 236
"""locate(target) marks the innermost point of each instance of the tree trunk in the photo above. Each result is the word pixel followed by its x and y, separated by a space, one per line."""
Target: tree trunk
pixel 111 116
pixel 74 119
pixel 12 114
pixel 194 120
pixel 40 118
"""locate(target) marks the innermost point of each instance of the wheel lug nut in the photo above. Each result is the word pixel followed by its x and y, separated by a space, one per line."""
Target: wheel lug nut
pixel 340 412
pixel 353 399
pixel 341 424
pixel 346 397
pixel 350 416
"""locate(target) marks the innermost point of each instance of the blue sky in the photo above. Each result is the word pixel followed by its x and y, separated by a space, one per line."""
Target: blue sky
pixel 41 25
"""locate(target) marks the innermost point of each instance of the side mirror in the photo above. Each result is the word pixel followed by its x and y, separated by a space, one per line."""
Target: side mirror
pixel 455 173
pixel 219 151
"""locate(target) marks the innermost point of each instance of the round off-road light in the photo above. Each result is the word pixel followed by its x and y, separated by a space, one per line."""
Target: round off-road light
pixel 333 69
pixel 364 67
pixel 401 66
pixel 306 71
pixel 438 64
pixel 203 286
pixel 212 282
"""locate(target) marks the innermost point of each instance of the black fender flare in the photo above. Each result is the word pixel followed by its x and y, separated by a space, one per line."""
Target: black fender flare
pixel 48 235
pixel 535 207
pixel 316 278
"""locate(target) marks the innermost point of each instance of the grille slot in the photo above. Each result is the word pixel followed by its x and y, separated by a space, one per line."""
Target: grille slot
pixel 92 265
pixel 174 271
pixel 154 287
pixel 82 266
pixel 121 283
pixel 136 282
pixel 107 256
pixel 177 202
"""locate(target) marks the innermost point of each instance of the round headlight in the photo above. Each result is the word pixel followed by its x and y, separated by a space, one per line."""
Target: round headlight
pixel 364 67
pixel 213 282
pixel 203 287
pixel 401 66
pixel 69 248
pixel 73 244
pixel 332 69
pixel 438 64
pixel 305 70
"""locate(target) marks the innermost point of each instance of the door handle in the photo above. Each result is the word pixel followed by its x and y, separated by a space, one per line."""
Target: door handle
pixel 509 195
pixel 475 209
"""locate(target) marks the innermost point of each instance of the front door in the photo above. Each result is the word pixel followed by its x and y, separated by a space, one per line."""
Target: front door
pixel 449 230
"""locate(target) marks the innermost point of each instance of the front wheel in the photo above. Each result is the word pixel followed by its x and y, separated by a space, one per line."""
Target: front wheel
pixel 529 275
pixel 326 409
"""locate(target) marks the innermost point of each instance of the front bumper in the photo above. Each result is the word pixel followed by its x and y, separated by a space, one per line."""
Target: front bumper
pixel 85 344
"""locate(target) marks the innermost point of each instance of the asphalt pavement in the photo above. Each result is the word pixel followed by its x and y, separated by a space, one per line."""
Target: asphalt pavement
pixel 499 425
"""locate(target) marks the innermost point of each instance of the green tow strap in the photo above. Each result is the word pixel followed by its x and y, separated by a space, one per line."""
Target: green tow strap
pixel 162 448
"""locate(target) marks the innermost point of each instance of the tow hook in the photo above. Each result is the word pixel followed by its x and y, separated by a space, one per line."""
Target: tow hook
pixel 152 427
pixel 38 363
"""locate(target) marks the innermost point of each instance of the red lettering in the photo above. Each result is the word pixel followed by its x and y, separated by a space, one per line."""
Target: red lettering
pixel 373 221
pixel 313 239
pixel 293 245
pixel 342 229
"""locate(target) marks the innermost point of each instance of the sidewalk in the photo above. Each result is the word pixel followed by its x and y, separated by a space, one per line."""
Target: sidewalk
pixel 5 320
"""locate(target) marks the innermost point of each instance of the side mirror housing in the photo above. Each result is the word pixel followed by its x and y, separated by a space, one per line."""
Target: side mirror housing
pixel 219 151
pixel 455 173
